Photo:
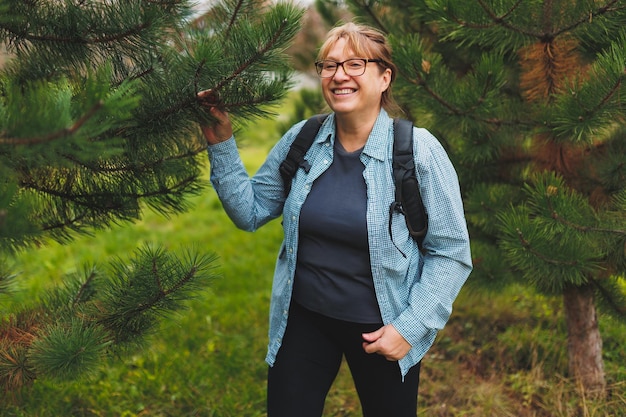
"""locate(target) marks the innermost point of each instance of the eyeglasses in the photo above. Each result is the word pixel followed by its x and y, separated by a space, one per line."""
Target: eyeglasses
pixel 353 67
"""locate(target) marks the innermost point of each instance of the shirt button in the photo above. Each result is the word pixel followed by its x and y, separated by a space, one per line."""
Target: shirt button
pixel 325 161
pixel 293 218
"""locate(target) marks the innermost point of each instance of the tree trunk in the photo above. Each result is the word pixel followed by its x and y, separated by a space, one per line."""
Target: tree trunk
pixel 583 339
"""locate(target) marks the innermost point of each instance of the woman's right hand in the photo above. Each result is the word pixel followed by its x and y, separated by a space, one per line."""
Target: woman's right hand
pixel 222 129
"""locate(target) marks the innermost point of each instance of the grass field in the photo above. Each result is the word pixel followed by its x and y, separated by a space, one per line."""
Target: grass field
pixel 501 354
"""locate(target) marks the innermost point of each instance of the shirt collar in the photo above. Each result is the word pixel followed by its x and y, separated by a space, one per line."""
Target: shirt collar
pixel 377 145
pixel 377 142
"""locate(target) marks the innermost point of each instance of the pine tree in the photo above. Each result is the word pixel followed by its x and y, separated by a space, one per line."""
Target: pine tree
pixel 529 98
pixel 99 121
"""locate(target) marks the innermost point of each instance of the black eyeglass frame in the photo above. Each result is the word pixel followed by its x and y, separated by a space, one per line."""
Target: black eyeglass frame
pixel 319 67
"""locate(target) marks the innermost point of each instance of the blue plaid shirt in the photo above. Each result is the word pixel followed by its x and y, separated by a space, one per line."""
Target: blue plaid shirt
pixel 415 291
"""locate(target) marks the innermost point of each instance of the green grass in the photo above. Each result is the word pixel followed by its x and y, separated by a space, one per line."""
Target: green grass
pixel 502 354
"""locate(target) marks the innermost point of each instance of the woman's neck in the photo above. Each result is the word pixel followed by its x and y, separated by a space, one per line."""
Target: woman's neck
pixel 353 131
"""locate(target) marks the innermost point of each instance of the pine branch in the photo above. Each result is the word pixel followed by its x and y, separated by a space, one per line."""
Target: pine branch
pixel 607 97
pixel 65 350
pixel 60 134
pixel 25 36
pixel 129 308
pixel 6 279
pixel 256 101
pixel 102 208
pixel 581 228
pixel 365 6
pixel 419 81
pixel 497 20
pixel 90 318
pixel 234 16
pixel 85 291
pixel 601 11
pixel 254 58
pixel 548 33
pixel 538 254
pixel 93 200
pixel 15 372
pixel 105 167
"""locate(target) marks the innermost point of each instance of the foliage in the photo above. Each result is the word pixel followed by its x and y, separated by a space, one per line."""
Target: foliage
pixel 99 121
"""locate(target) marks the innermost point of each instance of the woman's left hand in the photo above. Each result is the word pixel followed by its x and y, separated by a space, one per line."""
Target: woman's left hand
pixel 386 341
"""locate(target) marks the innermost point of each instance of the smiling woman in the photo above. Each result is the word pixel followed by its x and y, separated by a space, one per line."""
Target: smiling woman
pixel 353 93
pixel 366 43
pixel 341 288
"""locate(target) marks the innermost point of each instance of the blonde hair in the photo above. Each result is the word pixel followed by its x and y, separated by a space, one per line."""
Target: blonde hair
pixel 366 42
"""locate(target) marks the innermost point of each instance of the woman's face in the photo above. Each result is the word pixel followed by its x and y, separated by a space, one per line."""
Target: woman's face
pixel 347 94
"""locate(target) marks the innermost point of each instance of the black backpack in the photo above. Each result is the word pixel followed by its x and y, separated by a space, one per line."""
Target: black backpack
pixel 408 200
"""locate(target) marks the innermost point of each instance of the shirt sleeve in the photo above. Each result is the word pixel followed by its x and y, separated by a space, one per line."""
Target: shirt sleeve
pixel 250 202
pixel 447 259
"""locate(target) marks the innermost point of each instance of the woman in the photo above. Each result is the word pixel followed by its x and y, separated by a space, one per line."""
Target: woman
pixel 341 287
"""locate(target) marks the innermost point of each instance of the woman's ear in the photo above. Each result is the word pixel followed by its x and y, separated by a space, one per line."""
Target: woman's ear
pixel 386 78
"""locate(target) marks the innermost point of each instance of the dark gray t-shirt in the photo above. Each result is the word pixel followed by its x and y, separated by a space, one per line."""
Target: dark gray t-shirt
pixel 333 274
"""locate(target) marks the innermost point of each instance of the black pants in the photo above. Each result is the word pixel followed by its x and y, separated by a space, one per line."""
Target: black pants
pixel 309 360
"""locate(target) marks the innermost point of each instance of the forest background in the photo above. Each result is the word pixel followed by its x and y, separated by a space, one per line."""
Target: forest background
pixel 503 352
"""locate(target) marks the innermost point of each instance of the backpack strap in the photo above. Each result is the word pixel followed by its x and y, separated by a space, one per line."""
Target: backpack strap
pixel 403 162
pixel 408 199
pixel 297 150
